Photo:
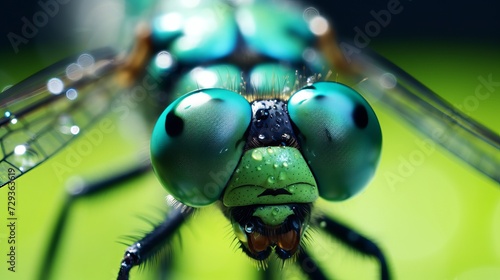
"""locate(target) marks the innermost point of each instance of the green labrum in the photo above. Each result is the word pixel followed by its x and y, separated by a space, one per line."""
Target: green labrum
pixel 273 215
pixel 271 175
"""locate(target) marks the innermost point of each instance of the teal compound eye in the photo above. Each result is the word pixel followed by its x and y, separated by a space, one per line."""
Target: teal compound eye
pixel 339 135
pixel 197 143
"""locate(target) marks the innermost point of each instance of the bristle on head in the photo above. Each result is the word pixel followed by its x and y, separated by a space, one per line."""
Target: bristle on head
pixel 276 87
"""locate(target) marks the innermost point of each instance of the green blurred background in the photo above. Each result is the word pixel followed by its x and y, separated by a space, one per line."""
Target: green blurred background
pixel 440 221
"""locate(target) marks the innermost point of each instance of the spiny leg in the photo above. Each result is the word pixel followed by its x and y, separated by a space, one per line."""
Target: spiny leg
pixel 310 267
pixel 74 194
pixel 154 241
pixel 353 240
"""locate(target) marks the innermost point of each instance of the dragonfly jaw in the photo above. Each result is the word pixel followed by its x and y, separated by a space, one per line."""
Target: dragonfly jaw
pixel 262 229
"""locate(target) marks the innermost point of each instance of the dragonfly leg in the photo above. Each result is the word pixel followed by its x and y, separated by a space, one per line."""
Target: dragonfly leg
pixel 350 238
pixel 154 241
pixel 310 267
pixel 74 194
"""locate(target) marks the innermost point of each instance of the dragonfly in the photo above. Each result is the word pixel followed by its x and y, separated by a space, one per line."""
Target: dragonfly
pixel 35 132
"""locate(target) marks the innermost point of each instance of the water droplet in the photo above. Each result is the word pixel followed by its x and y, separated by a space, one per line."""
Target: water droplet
pixel 164 60
pixel 71 94
pixel 282 176
pixel 285 164
pixel 276 211
pixel 322 224
pixel 74 72
pixel 271 179
pixel 291 188
pixel 25 157
pixel 249 228
pixel 55 86
pixel 259 168
pixel 237 170
pixel 246 166
pixel 85 60
pixel 257 155
pixel 67 125
pixel 275 165
pixel 270 150
pixel 20 150
pixel 262 114
pixel 74 129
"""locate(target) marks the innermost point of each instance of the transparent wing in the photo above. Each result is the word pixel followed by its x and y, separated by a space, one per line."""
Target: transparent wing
pixel 43 113
pixel 383 81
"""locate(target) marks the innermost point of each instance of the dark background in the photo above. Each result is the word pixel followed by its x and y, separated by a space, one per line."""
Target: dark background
pixel 431 19
pixel 464 22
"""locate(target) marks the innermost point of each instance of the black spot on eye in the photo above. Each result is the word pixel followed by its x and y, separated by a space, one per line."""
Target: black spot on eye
pixel 173 124
pixel 319 97
pixel 360 116
pixel 217 100
pixel 309 87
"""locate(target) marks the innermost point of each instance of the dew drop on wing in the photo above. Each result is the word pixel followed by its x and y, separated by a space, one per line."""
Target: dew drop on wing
pixel 74 72
pixel 24 157
pixel 66 125
pixel 71 94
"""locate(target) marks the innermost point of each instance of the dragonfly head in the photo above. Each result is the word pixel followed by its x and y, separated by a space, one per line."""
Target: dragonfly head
pixel 267 161
pixel 212 144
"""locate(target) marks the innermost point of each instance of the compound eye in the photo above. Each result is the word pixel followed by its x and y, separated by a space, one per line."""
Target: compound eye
pixel 197 143
pixel 339 135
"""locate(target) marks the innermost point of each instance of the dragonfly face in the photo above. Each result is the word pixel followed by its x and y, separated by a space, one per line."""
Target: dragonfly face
pixel 267 154
pixel 272 158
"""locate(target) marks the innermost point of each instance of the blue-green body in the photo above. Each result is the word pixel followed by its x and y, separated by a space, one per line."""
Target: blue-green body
pixel 218 44
pixel 249 127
